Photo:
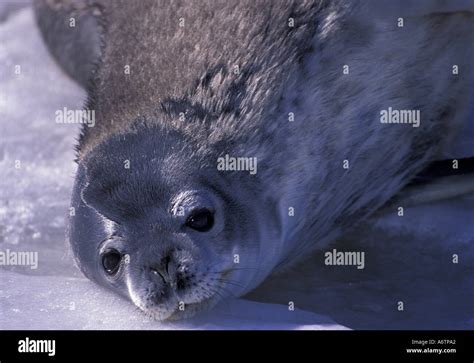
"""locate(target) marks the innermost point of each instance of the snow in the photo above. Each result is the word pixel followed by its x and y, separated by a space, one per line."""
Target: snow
pixel 408 259
pixel 76 303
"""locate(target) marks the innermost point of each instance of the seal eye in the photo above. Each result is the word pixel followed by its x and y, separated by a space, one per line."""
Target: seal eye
pixel 111 261
pixel 201 220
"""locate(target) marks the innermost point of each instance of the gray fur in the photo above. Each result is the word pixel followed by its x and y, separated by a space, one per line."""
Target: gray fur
pixel 281 70
pixel 77 49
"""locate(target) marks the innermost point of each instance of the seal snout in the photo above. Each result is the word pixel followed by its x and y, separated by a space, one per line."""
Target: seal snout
pixel 170 274
pixel 164 271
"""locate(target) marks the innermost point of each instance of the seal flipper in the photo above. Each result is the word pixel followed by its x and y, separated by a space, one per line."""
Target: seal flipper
pixel 72 32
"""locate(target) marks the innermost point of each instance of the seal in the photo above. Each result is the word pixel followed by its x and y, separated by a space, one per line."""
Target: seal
pixel 296 87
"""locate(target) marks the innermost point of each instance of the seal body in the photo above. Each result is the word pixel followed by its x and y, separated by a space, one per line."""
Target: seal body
pixel 299 87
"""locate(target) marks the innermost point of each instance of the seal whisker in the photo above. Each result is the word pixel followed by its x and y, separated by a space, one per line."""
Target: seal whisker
pixel 234 269
pixel 230 282
pixel 224 299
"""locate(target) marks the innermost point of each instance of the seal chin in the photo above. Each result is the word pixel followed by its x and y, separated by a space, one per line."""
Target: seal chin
pixel 194 308
pixel 169 300
pixel 173 308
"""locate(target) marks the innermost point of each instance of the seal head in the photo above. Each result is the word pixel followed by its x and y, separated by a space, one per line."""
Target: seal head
pixel 157 222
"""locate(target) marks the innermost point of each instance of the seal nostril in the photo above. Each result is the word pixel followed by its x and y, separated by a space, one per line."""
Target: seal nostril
pixel 167 264
pixel 156 272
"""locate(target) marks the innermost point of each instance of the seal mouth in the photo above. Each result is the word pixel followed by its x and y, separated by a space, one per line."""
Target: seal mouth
pixel 176 306
pixel 219 293
pixel 193 308
pixel 182 310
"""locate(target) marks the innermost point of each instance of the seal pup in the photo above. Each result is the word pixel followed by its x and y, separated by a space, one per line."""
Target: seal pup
pixel 296 85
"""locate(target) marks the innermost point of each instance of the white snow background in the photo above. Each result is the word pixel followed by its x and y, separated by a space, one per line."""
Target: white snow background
pixel 407 259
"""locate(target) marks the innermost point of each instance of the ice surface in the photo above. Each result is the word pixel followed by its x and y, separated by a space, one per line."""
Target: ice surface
pixel 35 152
pixel 408 258
pixel 52 302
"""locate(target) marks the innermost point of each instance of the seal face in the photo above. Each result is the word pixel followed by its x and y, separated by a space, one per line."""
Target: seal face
pixel 297 86
pixel 171 232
